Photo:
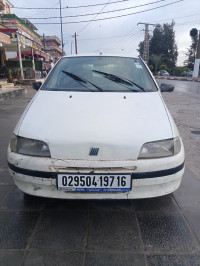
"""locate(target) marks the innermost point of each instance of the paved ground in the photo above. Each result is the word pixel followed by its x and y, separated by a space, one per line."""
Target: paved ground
pixel 162 231
pixel 187 87
pixel 184 105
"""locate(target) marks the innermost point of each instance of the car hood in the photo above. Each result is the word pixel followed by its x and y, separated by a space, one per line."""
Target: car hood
pixel 72 123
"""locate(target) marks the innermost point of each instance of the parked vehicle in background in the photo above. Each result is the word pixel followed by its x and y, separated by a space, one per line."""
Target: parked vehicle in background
pixel 190 74
pixel 187 74
pixel 163 72
pixel 183 74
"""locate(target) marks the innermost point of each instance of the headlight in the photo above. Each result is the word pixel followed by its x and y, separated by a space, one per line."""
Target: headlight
pixel 159 149
pixel 29 147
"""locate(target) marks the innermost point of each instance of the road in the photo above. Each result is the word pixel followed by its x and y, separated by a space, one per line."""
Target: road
pixel 161 231
pixel 186 87
pixel 185 109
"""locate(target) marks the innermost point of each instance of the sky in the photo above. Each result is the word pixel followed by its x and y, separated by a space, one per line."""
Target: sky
pixel 111 26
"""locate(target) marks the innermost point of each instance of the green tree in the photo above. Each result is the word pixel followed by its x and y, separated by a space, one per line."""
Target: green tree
pixel 163 43
pixel 156 41
pixel 141 48
pixel 163 67
pixel 189 62
pixel 178 70
pixel 151 68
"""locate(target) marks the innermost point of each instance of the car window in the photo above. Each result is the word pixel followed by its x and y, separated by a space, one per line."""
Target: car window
pixel 100 73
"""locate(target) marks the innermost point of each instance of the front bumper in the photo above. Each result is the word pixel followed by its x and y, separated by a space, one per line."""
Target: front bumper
pixel 150 178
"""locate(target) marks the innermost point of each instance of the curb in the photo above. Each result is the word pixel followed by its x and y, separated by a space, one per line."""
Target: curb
pixel 177 78
pixel 11 93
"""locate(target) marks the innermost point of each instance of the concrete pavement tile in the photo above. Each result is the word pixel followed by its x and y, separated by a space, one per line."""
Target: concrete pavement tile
pixel 56 204
pixel 112 231
pixel 11 258
pixel 61 230
pixel 188 199
pixel 4 192
pixel 16 201
pixel 188 194
pixel 112 205
pixel 164 204
pixel 62 205
pixel 193 218
pixel 5 177
pixel 53 258
pixel 16 229
pixel 114 259
pixel 166 233
pixel 174 260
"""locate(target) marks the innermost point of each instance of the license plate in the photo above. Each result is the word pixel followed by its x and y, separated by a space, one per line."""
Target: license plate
pixel 96 182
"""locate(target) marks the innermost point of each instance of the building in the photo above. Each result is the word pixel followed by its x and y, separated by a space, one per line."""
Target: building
pixel 6 7
pixel 51 45
pixel 24 52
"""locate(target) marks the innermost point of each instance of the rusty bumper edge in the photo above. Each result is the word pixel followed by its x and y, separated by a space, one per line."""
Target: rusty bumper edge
pixel 53 175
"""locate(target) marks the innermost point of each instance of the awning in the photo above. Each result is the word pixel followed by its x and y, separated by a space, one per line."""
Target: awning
pixel 43 54
pixel 4 38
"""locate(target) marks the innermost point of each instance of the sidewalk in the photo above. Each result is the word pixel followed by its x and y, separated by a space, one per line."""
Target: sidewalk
pixel 178 78
pixel 9 90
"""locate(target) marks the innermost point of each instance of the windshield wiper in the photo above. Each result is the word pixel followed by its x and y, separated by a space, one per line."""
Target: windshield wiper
pixel 118 79
pixel 81 80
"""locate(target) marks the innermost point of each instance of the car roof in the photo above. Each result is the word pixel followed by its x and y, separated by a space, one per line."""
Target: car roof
pixel 103 55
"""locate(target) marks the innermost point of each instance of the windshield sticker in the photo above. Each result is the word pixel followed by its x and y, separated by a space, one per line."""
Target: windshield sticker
pixel 138 65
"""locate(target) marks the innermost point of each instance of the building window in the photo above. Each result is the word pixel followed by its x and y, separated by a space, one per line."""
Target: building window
pixel 7 9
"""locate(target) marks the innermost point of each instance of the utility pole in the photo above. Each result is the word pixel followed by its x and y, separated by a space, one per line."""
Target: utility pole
pixel 61 28
pixel 75 39
pixel 146 42
pixel 197 60
pixel 44 44
pixel 20 58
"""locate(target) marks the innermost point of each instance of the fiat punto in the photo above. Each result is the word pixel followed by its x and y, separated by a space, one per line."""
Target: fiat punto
pixel 97 128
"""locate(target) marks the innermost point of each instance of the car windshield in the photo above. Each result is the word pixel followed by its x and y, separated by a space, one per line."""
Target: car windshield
pixel 100 74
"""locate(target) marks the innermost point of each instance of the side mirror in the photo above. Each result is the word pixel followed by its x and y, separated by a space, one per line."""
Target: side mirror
pixel 164 87
pixel 37 85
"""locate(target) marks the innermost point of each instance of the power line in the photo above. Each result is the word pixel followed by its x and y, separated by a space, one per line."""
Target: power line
pixel 100 19
pixel 127 37
pixel 187 23
pixel 103 38
pixel 42 12
pixel 68 7
pixel 174 18
pixel 100 4
pixel 192 15
pixel 100 12
pixel 125 40
pixel 116 10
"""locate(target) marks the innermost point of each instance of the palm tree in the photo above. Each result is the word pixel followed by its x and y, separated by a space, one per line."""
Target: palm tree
pixel 157 61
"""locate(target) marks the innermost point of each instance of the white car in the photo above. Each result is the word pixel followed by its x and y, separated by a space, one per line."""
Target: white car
pixel 97 128
pixel 163 73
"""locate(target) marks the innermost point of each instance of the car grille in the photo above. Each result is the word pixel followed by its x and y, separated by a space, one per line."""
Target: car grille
pixel 96 170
